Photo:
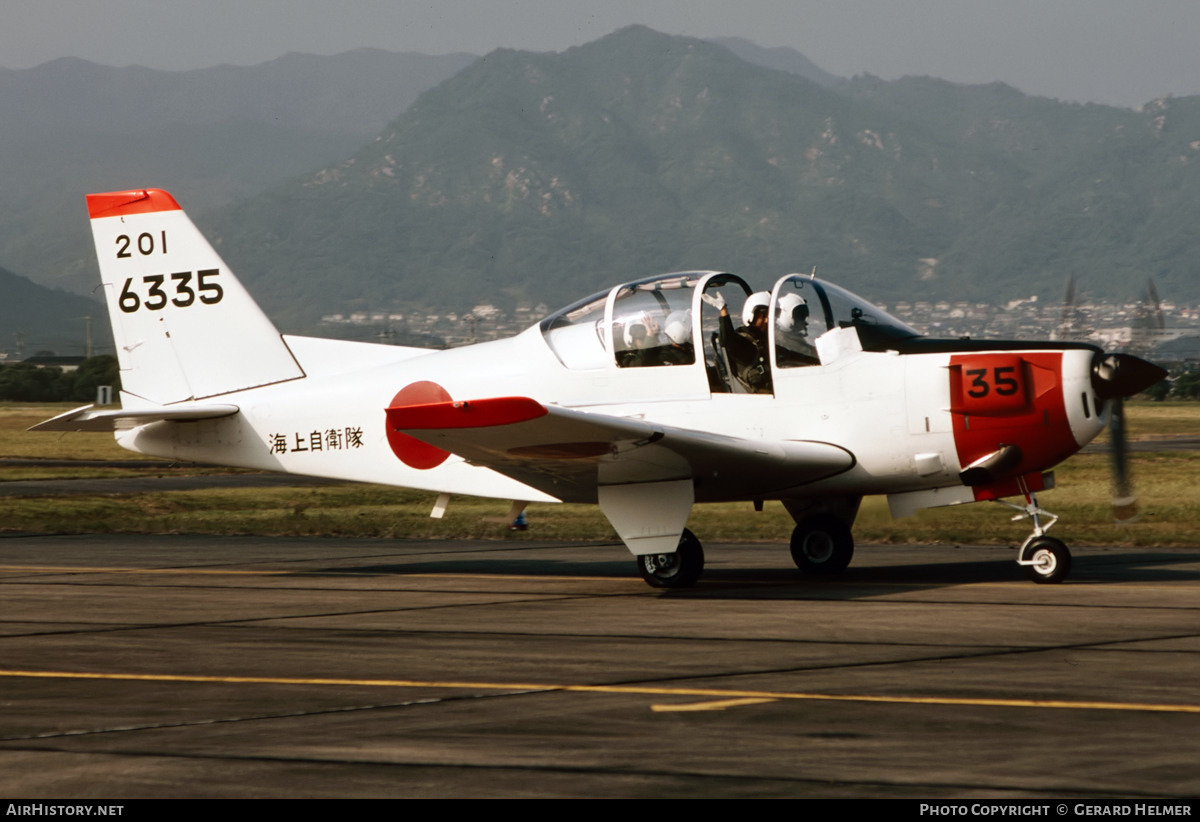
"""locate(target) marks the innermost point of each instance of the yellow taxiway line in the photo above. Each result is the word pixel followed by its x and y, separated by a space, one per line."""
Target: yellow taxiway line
pixel 727 696
pixel 711 705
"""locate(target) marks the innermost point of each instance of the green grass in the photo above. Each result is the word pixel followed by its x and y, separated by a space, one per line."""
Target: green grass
pixel 15 441
pixel 1157 420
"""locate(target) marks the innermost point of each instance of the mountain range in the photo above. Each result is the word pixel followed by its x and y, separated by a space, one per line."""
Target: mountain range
pixel 35 319
pixel 524 177
pixel 531 177
pixel 70 127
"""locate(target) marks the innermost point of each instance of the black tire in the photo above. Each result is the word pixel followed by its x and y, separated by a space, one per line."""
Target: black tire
pixel 822 544
pixel 1051 560
pixel 678 570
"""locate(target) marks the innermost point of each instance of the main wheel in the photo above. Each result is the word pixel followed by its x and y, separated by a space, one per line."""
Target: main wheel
pixel 678 570
pixel 1051 560
pixel 822 544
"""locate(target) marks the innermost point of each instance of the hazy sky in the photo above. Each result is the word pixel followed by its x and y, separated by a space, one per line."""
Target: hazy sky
pixel 1118 52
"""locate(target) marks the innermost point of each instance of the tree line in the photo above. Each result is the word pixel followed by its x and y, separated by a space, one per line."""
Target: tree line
pixel 1184 386
pixel 24 382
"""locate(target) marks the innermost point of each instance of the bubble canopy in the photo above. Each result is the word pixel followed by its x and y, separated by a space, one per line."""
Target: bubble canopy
pixel 659 320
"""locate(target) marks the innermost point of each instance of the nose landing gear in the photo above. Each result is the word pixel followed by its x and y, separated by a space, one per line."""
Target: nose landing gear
pixel 1048 560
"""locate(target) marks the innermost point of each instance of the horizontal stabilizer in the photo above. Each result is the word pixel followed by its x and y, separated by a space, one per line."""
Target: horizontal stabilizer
pixel 90 418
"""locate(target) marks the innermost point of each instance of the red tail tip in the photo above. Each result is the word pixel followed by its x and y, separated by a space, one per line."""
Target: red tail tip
pixel 138 201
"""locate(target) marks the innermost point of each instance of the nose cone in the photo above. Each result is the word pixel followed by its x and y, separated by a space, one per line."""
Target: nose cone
pixel 1123 375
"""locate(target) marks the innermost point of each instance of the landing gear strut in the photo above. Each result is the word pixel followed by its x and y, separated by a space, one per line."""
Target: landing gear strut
pixel 678 570
pixel 1048 560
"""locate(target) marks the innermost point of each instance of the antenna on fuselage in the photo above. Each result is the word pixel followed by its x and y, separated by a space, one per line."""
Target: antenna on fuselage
pixel 813 275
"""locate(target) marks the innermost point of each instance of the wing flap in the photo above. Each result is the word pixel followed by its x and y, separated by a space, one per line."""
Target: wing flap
pixel 570 453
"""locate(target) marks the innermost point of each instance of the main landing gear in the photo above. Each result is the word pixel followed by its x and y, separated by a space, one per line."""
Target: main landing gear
pixel 678 570
pixel 822 544
pixel 1047 560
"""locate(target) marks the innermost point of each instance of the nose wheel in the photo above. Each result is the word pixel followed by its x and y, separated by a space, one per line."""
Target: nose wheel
pixel 1047 560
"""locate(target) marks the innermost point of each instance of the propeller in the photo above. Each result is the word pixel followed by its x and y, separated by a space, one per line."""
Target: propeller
pixel 1116 376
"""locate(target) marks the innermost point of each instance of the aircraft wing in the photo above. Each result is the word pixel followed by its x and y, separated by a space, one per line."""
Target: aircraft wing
pixel 90 418
pixel 569 453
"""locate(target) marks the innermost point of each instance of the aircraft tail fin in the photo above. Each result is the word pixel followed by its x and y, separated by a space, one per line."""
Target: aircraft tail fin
pixel 184 326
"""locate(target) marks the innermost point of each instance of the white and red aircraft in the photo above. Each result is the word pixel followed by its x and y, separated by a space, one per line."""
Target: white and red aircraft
pixel 640 398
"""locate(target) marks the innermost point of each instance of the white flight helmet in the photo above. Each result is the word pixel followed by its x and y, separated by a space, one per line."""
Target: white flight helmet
pixel 759 299
pixel 792 312
pixel 679 327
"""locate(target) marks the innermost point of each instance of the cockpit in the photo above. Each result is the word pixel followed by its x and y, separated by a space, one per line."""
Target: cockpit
pixel 695 320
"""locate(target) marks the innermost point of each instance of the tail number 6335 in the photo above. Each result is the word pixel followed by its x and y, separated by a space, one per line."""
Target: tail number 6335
pixel 184 289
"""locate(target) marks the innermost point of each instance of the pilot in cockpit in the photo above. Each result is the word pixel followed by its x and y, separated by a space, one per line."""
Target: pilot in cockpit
pixel 649 341
pixel 792 345
pixel 641 339
pixel 747 346
pixel 678 330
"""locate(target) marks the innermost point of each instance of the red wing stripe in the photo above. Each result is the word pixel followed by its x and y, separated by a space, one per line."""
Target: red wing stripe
pixel 138 201
pixel 464 414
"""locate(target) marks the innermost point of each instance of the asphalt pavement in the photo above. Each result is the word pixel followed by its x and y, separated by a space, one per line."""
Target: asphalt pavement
pixel 189 666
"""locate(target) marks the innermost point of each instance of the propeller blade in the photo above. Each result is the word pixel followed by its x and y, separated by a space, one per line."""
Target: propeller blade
pixel 1115 377
pixel 1124 501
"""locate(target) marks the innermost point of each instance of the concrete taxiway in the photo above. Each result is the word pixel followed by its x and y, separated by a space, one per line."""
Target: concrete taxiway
pixel 168 666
